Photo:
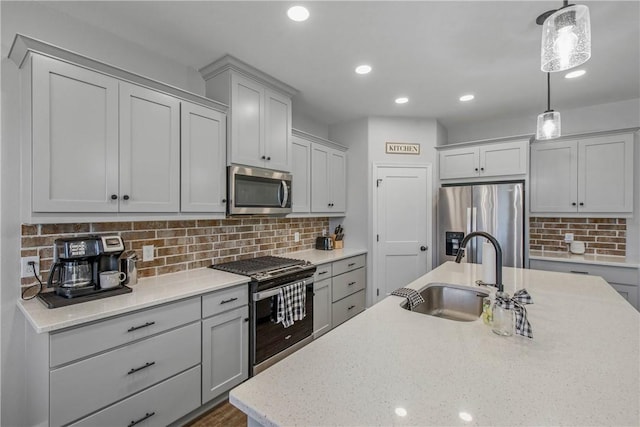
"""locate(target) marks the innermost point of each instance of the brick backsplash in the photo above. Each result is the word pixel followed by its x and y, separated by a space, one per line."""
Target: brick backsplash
pixel 185 244
pixel 602 236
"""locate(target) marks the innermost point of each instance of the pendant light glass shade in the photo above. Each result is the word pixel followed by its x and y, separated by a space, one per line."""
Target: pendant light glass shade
pixel 566 39
pixel 548 125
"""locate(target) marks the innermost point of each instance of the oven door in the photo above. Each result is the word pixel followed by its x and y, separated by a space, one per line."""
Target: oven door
pixel 258 191
pixel 271 338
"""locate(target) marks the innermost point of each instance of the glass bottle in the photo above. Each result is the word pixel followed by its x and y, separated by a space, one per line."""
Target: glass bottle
pixel 503 318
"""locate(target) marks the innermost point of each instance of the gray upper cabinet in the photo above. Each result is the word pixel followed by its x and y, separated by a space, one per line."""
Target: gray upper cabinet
pixel 328 179
pixel 301 171
pixel 588 175
pixel 260 113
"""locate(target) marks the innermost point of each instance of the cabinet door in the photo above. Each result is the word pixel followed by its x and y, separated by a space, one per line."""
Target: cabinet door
pixel 321 307
pixel 338 181
pixel 628 292
pixel 247 121
pixel 225 353
pixel 605 174
pixel 459 163
pixel 554 177
pixel 149 150
pixel 301 171
pixel 319 179
pixel 203 159
pixel 277 130
pixel 503 159
pixel 75 138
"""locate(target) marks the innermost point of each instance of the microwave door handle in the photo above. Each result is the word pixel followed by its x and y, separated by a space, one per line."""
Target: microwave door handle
pixel 285 194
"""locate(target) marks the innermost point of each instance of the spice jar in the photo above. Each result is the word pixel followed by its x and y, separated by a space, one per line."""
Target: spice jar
pixel 503 316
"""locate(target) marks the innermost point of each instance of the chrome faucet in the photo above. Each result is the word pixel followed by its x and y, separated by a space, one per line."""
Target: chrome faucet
pixel 496 246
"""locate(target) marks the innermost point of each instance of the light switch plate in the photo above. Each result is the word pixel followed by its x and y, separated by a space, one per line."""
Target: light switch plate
pixel 147 253
pixel 296 236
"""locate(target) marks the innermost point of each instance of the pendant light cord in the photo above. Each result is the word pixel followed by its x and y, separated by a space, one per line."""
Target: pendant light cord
pixel 548 91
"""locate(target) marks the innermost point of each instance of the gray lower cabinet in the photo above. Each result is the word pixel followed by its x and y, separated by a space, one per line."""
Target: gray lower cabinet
pixel 625 280
pixel 321 307
pixel 225 352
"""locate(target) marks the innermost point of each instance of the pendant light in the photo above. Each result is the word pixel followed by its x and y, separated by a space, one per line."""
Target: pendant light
pixel 566 37
pixel 548 126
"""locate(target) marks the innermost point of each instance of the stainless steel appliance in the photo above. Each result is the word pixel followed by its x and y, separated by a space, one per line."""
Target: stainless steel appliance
pixel 497 209
pixel 324 243
pixel 129 265
pixel 258 191
pixel 78 262
pixel 271 341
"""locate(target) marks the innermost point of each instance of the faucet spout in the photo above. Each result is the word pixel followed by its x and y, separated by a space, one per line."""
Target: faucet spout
pixel 497 248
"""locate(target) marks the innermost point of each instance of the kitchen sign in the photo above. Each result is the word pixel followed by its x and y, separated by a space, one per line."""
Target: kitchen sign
pixel 402 148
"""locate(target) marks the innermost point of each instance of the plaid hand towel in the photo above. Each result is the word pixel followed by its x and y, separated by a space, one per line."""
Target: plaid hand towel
pixel 291 303
pixel 517 304
pixel 413 297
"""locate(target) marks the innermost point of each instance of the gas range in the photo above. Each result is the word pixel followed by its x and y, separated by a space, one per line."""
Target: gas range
pixel 269 271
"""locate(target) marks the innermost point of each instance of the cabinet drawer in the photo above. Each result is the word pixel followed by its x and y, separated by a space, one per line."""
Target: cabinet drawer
pixel 348 264
pixel 348 307
pixel 97 382
pixel 226 299
pixel 322 272
pixel 348 283
pixel 612 274
pixel 83 341
pixel 156 406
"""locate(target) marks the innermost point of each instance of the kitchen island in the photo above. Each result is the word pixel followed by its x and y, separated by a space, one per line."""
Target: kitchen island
pixel 390 366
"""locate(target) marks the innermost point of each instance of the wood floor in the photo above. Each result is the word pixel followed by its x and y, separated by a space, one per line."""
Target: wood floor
pixel 223 415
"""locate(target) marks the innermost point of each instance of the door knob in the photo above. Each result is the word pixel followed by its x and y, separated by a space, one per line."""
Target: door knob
pixel 423 248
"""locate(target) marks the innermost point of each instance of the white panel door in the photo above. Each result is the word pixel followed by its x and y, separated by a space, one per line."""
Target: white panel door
pixel 320 158
pixel 403 227
pixel 149 150
pixel 605 174
pixel 225 352
pixel 301 171
pixel 554 177
pixel 459 163
pixel 203 159
pixel 338 181
pixel 247 116
pixel 277 140
pixel 75 138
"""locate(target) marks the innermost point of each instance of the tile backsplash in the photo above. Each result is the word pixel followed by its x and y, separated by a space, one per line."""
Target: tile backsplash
pixel 602 236
pixel 183 244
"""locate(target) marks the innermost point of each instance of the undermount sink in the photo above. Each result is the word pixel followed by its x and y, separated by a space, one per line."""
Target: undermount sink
pixel 453 302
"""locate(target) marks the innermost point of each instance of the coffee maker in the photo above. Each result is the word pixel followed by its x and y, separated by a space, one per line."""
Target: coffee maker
pixel 78 262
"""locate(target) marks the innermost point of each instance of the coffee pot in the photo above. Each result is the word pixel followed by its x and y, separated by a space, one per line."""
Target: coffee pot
pixel 71 274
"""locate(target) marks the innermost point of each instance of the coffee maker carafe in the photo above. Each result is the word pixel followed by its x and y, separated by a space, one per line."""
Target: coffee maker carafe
pixel 78 262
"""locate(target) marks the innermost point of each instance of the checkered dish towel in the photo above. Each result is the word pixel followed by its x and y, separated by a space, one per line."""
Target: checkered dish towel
pixel 291 303
pixel 413 297
pixel 517 303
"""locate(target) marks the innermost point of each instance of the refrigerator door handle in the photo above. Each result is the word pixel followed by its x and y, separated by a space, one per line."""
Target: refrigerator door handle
pixel 473 252
pixel 469 220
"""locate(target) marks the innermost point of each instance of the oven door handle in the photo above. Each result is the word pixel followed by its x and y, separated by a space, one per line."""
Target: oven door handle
pixel 259 296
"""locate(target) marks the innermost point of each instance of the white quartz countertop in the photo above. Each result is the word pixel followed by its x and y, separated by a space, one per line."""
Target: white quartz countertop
pixel 615 261
pixel 581 368
pixel 319 257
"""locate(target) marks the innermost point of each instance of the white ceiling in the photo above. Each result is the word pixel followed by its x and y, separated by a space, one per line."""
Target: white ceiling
pixel 430 51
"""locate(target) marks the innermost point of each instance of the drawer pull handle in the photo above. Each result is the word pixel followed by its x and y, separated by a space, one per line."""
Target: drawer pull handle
pixel 351 264
pixel 147 415
pixel 228 300
pixel 353 306
pixel 579 272
pixel 145 366
pixel 351 283
pixel 322 272
pixel 135 328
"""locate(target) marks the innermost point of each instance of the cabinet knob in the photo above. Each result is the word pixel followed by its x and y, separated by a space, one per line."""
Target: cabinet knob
pixel 263 157
pixel 581 204
pixel 476 169
pixel 573 204
pixel 114 197
pixel 481 169
pixel 224 200
pixel 125 197
pixel 268 158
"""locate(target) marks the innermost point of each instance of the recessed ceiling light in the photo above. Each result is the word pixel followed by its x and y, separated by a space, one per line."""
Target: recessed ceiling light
pixel 465 98
pixel 363 69
pixel 298 13
pixel 465 416
pixel 574 74
pixel 402 100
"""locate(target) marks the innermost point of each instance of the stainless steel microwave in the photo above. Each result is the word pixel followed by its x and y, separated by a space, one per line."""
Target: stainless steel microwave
pixel 258 191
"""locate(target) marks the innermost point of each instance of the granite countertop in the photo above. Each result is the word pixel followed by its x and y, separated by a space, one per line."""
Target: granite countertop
pixel 581 368
pixel 152 291
pixel 615 261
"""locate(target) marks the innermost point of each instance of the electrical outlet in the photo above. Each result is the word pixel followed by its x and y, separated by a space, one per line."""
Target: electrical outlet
pixel 26 270
pixel 568 237
pixel 147 253
pixel 296 236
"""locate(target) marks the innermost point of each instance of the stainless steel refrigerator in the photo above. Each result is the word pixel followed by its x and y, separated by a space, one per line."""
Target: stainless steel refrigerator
pixel 497 209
